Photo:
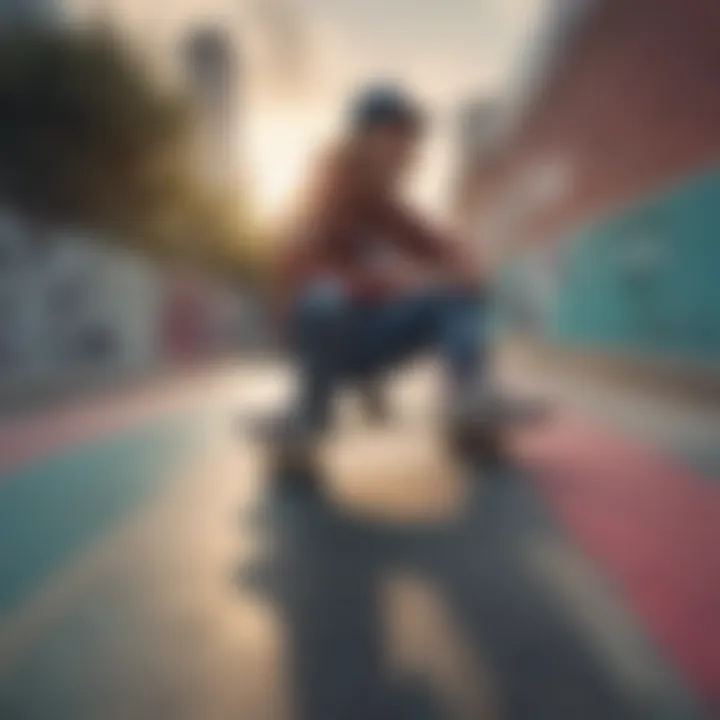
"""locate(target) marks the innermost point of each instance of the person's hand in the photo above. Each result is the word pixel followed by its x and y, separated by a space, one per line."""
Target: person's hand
pixel 407 277
pixel 465 270
pixel 395 276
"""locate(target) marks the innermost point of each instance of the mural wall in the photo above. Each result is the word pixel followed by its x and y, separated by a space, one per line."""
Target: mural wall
pixel 645 281
pixel 73 308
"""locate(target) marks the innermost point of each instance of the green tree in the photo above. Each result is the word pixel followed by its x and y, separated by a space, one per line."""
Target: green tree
pixel 89 139
pixel 86 137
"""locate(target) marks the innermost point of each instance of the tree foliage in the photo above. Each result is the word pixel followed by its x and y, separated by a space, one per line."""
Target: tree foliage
pixel 89 139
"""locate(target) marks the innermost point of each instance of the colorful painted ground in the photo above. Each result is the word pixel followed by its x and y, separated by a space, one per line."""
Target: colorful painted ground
pixel 149 566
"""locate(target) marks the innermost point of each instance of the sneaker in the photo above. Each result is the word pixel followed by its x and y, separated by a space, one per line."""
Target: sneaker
pixel 374 401
pixel 484 404
pixel 289 435
pixel 475 406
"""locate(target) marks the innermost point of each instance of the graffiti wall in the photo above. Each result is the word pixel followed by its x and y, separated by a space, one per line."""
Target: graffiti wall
pixel 645 281
pixel 69 305
pixel 74 308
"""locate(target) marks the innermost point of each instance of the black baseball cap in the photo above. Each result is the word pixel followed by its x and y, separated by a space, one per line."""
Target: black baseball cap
pixel 385 104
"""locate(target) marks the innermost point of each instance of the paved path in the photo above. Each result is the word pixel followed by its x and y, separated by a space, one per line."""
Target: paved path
pixel 149 569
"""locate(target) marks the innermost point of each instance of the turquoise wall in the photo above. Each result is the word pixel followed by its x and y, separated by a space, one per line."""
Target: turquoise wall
pixel 646 280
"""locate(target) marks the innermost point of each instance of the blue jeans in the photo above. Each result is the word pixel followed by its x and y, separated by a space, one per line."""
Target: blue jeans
pixel 338 340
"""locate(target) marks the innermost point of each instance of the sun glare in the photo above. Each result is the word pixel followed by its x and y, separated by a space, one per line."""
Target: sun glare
pixel 281 150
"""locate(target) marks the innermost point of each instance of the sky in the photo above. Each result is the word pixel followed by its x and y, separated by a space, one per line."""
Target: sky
pixel 302 58
pixel 446 51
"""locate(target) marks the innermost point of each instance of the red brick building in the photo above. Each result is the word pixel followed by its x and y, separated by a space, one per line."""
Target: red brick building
pixel 620 105
pixel 631 104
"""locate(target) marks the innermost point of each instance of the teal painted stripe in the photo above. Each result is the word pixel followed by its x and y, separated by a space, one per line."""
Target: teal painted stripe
pixel 51 511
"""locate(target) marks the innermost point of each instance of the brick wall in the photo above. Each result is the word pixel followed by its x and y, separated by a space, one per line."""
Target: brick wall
pixel 601 207
pixel 633 106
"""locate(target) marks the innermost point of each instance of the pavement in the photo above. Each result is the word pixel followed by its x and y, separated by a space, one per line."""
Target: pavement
pixel 152 567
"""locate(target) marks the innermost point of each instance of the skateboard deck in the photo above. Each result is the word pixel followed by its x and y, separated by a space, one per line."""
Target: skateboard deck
pixel 415 445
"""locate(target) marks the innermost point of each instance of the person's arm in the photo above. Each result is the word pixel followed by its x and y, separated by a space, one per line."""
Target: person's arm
pixel 311 252
pixel 452 259
pixel 317 251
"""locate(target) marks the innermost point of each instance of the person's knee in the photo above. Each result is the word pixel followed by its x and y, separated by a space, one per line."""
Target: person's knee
pixel 466 297
pixel 464 317
pixel 324 305
pixel 448 302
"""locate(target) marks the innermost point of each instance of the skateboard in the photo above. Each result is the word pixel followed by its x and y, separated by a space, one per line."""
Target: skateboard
pixel 302 465
pixel 299 466
pixel 486 442
pixel 484 445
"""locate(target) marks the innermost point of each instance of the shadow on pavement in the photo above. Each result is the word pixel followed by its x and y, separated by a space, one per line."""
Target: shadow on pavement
pixel 324 573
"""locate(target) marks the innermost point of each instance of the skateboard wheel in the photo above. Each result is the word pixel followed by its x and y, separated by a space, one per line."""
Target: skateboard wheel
pixel 486 446
pixel 294 467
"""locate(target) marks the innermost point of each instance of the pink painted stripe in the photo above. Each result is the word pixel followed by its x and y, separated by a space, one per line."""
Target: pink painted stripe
pixel 31 439
pixel 652 524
